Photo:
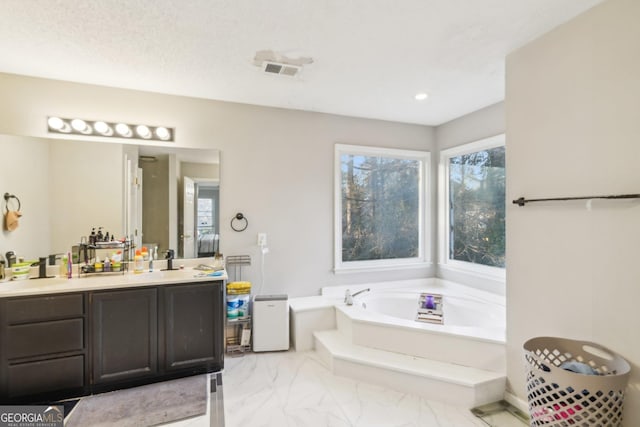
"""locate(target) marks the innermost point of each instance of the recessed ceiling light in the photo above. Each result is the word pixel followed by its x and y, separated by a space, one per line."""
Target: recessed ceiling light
pixel 421 96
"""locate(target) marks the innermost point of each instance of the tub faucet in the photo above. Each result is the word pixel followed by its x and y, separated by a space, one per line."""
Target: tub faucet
pixel 348 296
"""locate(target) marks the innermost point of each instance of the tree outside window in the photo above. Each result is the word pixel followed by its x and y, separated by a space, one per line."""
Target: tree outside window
pixel 381 198
pixel 476 207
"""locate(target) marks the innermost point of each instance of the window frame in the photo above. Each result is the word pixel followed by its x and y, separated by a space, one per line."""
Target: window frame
pixel 444 223
pixel 424 212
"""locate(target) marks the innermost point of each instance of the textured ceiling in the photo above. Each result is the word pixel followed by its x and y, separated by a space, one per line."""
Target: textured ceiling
pixel 370 57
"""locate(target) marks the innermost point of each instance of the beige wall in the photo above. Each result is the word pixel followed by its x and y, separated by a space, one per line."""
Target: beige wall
pixel 155 202
pixel 65 188
pixel 276 166
pixel 200 170
pixel 24 172
pixel 573 109
pixel 481 124
pixel 85 189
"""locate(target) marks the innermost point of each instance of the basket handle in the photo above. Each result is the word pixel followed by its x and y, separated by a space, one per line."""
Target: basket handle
pixel 598 351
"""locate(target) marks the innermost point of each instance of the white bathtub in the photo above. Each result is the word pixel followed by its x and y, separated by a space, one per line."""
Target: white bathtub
pixel 473 332
pixel 459 311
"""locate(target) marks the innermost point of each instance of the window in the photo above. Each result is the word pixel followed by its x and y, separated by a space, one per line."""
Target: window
pixel 380 206
pixel 473 207
pixel 205 216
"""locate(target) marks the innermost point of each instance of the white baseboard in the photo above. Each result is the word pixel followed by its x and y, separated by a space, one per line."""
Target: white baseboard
pixel 514 400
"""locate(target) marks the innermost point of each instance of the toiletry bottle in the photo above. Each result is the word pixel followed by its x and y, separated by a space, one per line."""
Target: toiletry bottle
pixel 69 266
pixel 107 264
pixel 98 265
pixel 138 262
pixel 150 263
pixel 63 266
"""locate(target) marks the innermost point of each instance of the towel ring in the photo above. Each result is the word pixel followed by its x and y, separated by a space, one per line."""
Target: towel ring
pixel 8 196
pixel 239 217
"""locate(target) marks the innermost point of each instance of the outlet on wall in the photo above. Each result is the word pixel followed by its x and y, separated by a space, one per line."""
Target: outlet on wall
pixel 262 239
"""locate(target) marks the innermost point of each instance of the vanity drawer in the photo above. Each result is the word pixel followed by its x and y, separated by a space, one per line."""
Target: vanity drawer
pixel 35 339
pixel 37 309
pixel 45 376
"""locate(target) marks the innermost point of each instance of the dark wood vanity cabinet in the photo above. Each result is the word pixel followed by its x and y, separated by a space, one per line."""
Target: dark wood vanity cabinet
pixel 124 335
pixel 66 345
pixel 43 346
pixel 191 335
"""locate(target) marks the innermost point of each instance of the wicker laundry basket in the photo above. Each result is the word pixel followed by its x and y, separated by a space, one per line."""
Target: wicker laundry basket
pixel 560 398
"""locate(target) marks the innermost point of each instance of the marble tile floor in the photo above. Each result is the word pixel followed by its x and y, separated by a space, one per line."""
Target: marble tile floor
pixel 295 389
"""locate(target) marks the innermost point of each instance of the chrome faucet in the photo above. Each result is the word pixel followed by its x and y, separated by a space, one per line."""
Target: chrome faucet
pixel 348 296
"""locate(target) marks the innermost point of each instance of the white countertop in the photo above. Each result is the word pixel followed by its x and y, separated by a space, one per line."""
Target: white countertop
pixel 101 281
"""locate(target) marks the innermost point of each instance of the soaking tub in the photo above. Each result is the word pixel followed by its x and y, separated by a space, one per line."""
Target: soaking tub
pixel 473 332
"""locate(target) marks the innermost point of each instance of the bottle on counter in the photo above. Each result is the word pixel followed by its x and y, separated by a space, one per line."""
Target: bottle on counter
pixel 63 266
pixel 138 262
pixel 69 266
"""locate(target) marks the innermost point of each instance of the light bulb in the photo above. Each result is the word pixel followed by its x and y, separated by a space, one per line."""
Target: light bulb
pixel 421 96
pixel 163 133
pixel 57 124
pixel 103 128
pixel 80 126
pixel 143 131
pixel 123 129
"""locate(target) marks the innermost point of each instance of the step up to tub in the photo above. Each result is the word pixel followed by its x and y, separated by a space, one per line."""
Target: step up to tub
pixel 432 343
pixel 435 380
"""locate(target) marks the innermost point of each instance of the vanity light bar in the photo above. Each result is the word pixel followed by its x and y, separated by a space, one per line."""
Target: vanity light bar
pixel 101 128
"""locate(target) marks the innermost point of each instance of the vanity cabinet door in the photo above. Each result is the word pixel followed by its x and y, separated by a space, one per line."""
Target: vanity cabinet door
pixel 192 336
pixel 124 335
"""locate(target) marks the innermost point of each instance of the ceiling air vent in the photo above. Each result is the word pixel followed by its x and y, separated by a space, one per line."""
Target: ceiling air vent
pixel 281 69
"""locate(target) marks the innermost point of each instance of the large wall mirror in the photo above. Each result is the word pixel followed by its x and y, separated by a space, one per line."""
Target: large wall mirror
pixel 158 196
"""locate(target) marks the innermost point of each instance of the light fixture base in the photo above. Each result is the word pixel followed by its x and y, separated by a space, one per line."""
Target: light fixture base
pixel 99 128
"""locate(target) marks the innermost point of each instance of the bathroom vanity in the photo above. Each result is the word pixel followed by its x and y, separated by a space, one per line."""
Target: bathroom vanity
pixel 64 338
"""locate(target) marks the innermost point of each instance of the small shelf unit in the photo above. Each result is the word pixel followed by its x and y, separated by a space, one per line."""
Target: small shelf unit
pixel 99 250
pixel 238 332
